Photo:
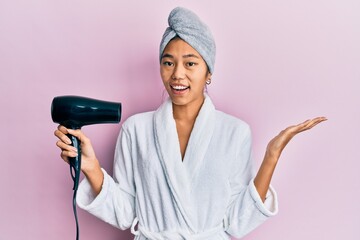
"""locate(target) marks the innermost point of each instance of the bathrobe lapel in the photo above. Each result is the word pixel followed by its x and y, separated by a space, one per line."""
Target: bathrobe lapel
pixel 179 174
pixel 200 138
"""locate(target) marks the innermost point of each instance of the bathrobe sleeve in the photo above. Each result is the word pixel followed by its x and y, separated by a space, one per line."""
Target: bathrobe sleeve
pixel 246 210
pixel 115 204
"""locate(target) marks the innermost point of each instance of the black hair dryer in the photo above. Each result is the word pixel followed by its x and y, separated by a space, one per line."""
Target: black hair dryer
pixel 74 112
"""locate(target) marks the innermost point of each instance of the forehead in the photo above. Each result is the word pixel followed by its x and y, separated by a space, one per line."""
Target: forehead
pixel 179 46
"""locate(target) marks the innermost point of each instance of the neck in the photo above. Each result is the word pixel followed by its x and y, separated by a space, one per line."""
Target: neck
pixel 189 111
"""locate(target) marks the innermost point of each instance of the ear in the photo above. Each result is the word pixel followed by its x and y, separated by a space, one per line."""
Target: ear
pixel 208 75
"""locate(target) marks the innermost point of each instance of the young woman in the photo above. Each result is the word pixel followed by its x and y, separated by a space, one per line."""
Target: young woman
pixel 183 171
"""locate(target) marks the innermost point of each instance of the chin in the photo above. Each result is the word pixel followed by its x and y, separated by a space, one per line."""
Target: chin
pixel 179 101
pixel 186 100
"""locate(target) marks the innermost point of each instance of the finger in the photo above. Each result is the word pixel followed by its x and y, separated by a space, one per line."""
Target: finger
pixel 65 158
pixel 62 129
pixel 59 134
pixel 68 154
pixel 64 146
pixel 320 119
pixel 308 124
pixel 67 150
pixel 78 134
pixel 316 121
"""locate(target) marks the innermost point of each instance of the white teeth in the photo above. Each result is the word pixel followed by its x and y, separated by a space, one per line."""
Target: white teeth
pixel 179 87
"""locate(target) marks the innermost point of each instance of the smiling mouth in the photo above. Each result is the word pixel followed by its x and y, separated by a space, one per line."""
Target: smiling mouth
pixel 179 88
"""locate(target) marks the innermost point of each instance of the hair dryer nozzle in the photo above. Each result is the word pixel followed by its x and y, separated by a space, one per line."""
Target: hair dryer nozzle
pixel 75 111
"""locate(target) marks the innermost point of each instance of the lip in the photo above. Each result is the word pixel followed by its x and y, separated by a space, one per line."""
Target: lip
pixel 179 89
pixel 179 85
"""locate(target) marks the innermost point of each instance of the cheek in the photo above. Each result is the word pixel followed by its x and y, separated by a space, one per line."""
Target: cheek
pixel 200 79
pixel 163 76
pixel 165 73
pixel 165 82
pixel 201 74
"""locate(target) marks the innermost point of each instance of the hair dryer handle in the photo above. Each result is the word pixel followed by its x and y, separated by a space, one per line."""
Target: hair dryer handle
pixel 75 162
pixel 75 169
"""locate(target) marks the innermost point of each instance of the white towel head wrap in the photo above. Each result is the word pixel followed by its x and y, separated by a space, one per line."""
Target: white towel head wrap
pixel 187 25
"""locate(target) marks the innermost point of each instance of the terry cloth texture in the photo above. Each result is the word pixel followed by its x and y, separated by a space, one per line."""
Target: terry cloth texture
pixel 187 25
pixel 209 194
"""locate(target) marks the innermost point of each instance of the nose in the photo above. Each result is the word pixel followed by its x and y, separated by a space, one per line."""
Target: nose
pixel 178 73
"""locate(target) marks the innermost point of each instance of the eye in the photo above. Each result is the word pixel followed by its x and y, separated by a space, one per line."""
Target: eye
pixel 168 64
pixel 191 64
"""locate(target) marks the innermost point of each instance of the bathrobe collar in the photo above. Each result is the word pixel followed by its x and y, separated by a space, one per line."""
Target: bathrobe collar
pixel 181 174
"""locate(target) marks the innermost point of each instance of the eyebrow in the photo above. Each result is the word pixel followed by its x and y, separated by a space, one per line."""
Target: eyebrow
pixel 167 55
pixel 190 55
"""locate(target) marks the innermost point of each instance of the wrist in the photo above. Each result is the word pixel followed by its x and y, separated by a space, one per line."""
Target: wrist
pixel 271 158
pixel 95 176
pixel 92 169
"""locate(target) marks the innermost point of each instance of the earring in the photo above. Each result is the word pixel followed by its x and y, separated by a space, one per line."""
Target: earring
pixel 208 81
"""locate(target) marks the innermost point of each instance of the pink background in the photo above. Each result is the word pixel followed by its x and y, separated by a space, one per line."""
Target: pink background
pixel 278 63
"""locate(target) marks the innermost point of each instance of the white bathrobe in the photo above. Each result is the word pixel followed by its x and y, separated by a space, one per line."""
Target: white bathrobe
pixel 209 194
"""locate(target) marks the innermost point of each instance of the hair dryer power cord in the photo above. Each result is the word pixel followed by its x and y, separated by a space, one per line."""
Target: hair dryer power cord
pixel 72 170
pixel 75 169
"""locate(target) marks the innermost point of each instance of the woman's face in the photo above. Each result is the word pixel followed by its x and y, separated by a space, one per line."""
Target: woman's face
pixel 184 73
